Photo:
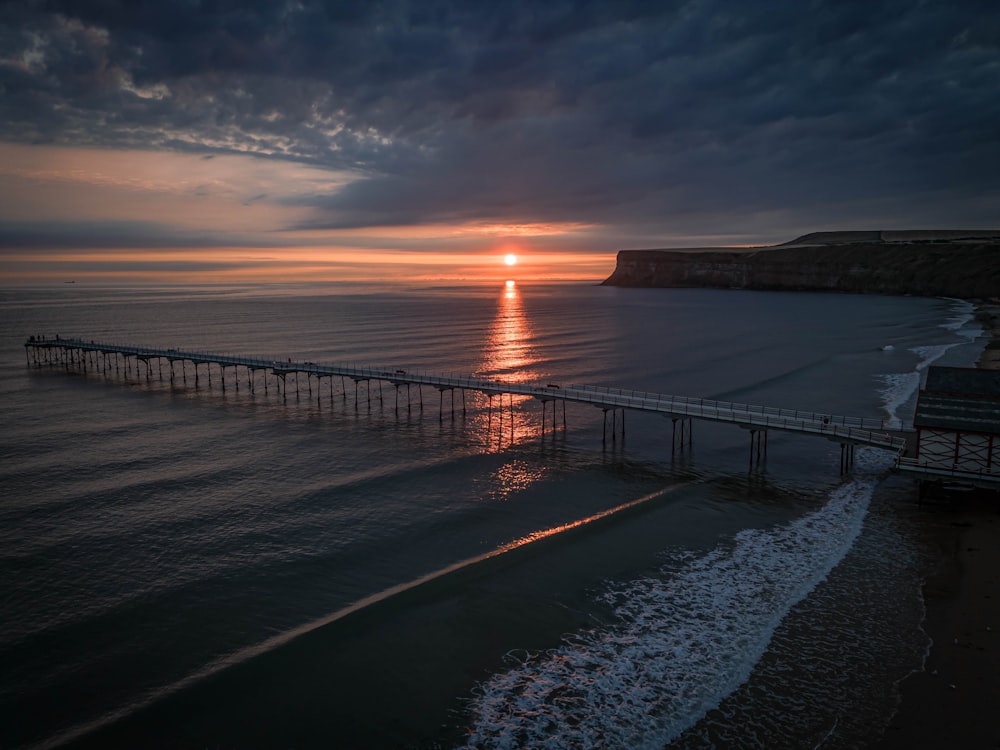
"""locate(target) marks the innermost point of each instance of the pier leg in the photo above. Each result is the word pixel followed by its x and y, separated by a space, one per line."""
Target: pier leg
pixel 604 427
pixel 512 419
pixel 500 421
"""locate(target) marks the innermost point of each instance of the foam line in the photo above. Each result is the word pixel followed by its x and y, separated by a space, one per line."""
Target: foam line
pixel 684 638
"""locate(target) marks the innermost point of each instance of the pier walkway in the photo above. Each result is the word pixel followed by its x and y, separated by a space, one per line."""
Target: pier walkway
pixel 848 431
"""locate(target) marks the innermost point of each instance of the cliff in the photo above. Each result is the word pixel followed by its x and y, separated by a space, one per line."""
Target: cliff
pixel 947 263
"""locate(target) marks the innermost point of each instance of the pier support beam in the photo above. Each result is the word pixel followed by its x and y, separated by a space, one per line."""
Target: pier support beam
pixel 758 447
pixel 681 427
pixel 846 457
pixel 614 424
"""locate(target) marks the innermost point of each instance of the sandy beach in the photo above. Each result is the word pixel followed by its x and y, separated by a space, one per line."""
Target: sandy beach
pixel 953 701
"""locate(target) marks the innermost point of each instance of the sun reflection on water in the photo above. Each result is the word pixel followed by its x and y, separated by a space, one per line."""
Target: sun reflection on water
pixel 514 476
pixel 509 353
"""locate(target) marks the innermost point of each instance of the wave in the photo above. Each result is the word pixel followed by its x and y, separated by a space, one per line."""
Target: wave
pixel 898 388
pixel 683 639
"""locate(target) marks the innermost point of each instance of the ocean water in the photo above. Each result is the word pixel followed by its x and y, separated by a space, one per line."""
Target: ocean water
pixel 187 566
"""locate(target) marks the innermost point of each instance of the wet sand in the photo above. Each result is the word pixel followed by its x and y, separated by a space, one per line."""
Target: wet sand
pixel 953 702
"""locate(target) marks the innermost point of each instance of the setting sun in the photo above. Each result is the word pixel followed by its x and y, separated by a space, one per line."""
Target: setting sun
pixel 510 259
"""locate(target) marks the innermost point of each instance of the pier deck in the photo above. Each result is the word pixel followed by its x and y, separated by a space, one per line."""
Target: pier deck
pixel 846 430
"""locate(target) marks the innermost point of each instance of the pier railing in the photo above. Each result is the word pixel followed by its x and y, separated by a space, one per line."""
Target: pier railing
pixel 840 428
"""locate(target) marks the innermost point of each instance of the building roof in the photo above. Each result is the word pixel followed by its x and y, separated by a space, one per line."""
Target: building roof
pixel 960 399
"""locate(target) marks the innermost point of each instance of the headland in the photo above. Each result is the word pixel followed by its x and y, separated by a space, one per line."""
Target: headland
pixel 937 263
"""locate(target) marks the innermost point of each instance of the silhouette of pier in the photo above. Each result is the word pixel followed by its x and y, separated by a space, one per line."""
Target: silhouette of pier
pixel 141 361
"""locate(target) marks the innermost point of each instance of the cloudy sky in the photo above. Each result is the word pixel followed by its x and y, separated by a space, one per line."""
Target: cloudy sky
pixel 298 139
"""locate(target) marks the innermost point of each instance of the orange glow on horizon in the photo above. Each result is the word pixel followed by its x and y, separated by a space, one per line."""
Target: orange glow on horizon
pixel 294 264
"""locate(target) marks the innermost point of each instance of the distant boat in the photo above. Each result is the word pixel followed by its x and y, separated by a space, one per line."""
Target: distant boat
pixel 69 282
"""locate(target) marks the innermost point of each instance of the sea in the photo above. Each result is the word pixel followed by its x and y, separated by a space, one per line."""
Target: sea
pixel 332 564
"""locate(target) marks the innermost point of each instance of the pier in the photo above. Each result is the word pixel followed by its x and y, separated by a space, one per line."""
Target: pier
pixel 144 362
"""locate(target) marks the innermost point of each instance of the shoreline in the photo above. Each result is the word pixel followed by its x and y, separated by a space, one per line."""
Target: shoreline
pixel 952 701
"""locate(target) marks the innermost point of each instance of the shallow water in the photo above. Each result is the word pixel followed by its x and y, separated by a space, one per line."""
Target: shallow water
pixel 167 548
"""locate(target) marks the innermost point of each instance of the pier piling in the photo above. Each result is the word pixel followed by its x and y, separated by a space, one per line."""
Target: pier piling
pixel 90 357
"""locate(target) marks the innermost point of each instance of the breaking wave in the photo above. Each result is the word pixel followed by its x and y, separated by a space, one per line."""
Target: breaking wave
pixel 682 639
pixel 898 388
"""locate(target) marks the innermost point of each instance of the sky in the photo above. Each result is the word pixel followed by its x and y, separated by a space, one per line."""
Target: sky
pixel 295 140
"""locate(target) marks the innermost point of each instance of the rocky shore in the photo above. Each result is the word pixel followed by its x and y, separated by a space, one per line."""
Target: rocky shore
pixel 944 263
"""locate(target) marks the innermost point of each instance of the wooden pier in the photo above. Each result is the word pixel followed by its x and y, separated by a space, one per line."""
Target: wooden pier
pixel 144 362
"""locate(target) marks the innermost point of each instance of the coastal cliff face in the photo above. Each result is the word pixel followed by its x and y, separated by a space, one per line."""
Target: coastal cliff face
pixel 862 262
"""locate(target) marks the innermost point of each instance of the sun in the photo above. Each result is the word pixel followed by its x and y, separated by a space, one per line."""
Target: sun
pixel 510 259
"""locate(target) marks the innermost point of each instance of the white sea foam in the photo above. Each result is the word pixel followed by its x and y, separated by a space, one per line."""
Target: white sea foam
pixel 962 313
pixel 683 639
pixel 898 388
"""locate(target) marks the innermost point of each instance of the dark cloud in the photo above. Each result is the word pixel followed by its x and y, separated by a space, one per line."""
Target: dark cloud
pixel 661 114
pixel 53 235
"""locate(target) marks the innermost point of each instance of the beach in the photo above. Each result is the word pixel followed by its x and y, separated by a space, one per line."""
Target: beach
pixel 952 702
pixel 199 547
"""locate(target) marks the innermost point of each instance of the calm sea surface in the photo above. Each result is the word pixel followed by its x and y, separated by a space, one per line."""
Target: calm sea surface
pixel 331 567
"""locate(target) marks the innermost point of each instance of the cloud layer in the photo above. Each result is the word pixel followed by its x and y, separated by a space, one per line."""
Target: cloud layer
pixel 751 119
